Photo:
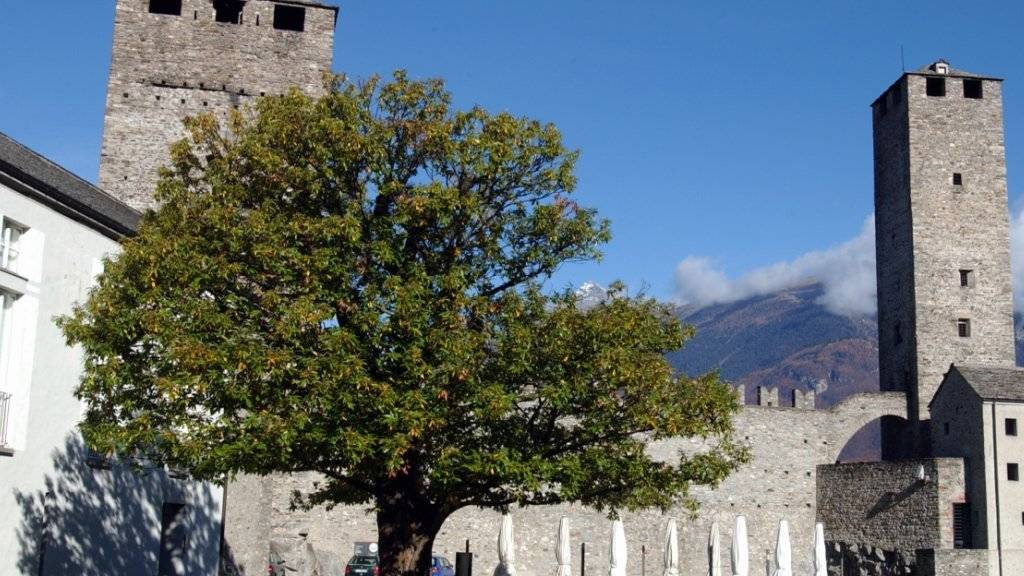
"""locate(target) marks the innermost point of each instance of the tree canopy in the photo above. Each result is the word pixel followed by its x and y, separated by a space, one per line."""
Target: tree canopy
pixel 355 284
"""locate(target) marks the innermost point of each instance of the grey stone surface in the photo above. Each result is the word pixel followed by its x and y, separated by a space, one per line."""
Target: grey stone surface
pixel 952 563
pixel 968 426
pixel 885 505
pixel 167 67
pixel 787 444
pixel 860 560
pixel 993 382
pixel 959 432
pixel 928 229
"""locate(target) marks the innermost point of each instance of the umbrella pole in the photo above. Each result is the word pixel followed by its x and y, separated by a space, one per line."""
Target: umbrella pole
pixel 643 560
pixel 583 559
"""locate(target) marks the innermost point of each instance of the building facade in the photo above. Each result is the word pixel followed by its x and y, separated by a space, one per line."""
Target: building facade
pixel 942 237
pixel 788 440
pixel 976 417
pixel 66 510
pixel 945 324
pixel 178 58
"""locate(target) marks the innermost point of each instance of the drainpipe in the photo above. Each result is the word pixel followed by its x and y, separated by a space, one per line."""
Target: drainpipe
pixel 995 465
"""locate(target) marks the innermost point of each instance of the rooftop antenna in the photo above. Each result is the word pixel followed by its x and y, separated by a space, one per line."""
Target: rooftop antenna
pixel 903 60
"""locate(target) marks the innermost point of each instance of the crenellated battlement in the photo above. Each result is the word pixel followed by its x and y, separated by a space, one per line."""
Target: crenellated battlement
pixel 176 58
pixel 768 397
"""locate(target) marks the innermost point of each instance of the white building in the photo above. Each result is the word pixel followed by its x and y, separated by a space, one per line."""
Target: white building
pixel 65 511
pixel 976 415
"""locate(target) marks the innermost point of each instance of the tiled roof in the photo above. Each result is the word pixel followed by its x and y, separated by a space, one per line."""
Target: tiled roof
pixel 994 382
pixel 954 72
pixel 34 175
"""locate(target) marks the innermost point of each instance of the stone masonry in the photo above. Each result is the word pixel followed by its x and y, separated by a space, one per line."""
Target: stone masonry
pixel 940 172
pixel 953 562
pixel 886 505
pixel 166 67
pixel 787 444
pixel 940 208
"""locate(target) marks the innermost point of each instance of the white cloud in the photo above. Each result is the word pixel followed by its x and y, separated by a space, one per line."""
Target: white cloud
pixel 1017 259
pixel 847 272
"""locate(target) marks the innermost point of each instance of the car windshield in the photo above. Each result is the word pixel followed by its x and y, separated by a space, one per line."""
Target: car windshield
pixel 363 561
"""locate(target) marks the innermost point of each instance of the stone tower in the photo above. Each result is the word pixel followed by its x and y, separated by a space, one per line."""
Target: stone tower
pixel 174 58
pixel 942 236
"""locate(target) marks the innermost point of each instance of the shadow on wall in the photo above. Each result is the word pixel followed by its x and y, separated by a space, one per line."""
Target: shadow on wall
pixel 865 445
pixel 890 500
pixel 97 517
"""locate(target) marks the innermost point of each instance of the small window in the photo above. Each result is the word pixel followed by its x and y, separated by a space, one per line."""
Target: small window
pixel 963 327
pixel 973 89
pixel 899 333
pixel 10 242
pixel 6 308
pixel 961 525
pixel 883 105
pixel 958 179
pixel 1012 472
pixel 289 18
pixel 172 7
pixel 935 86
pixel 945 428
pixel 228 11
pixel 897 95
pixel 967 278
pixel 1011 426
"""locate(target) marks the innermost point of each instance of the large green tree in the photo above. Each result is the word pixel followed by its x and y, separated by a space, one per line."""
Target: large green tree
pixel 355 285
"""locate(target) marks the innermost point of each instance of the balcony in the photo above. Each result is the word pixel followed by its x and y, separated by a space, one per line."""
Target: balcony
pixel 5 422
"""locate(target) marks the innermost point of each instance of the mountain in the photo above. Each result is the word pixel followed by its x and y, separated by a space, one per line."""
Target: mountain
pixel 786 340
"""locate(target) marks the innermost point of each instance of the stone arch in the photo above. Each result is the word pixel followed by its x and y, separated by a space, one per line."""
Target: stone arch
pixel 856 412
pixel 868 436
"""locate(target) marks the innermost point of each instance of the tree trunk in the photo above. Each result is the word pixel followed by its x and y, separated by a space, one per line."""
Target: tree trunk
pixel 406 528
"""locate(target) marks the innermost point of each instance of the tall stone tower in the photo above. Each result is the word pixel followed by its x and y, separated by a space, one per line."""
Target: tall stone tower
pixel 942 236
pixel 174 58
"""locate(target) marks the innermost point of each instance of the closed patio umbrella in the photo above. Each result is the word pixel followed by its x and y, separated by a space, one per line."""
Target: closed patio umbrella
pixel 740 549
pixel 506 549
pixel 783 554
pixel 714 554
pixel 671 549
pixel 820 560
pixel 617 551
pixel 562 552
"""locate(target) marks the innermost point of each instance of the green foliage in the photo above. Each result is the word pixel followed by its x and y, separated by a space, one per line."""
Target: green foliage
pixel 353 284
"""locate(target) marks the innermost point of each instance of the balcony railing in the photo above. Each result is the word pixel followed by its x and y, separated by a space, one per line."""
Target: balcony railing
pixel 5 419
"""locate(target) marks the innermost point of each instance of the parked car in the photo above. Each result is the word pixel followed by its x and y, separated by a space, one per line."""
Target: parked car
pixel 441 566
pixel 363 565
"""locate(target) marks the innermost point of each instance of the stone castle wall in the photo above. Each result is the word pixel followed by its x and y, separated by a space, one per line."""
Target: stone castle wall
pixel 884 505
pixel 166 67
pixel 953 562
pixel 948 135
pixel 787 444
pixel 927 230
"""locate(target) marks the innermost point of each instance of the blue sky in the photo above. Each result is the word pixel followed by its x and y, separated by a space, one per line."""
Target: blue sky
pixel 735 131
